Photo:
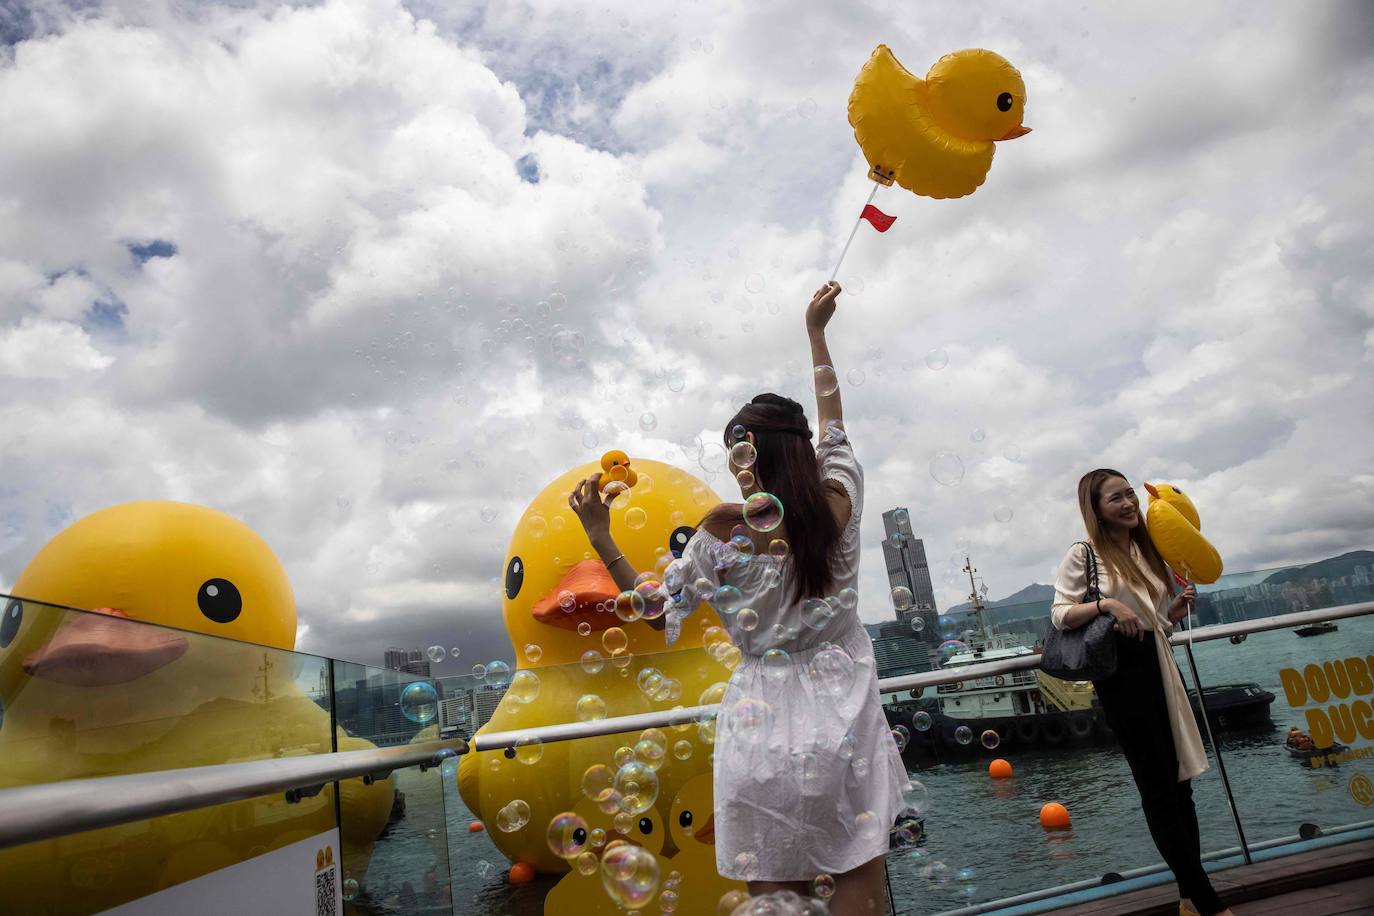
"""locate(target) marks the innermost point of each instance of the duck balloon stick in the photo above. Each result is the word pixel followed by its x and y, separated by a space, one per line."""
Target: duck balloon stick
pixel 933 136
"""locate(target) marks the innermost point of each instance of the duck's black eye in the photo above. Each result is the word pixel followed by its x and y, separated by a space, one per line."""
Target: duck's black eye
pixel 9 624
pixel 580 836
pixel 677 541
pixel 685 819
pixel 515 576
pixel 1004 102
pixel 646 826
pixel 219 600
pixel 1178 491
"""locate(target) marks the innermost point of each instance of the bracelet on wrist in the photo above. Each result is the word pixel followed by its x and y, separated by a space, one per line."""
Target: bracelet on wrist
pixel 1099 605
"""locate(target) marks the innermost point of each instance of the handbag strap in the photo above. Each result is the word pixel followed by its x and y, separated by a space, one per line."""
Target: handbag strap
pixel 1093 592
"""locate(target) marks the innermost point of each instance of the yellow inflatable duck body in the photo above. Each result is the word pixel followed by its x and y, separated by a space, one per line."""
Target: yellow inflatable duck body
pixel 586 893
pixel 692 828
pixel 935 136
pixel 96 694
pixel 556 597
pixel 1176 531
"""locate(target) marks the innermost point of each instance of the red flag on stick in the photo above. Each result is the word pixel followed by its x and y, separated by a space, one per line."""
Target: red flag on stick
pixel 880 220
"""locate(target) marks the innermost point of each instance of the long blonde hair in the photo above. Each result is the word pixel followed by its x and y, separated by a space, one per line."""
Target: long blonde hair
pixel 1118 561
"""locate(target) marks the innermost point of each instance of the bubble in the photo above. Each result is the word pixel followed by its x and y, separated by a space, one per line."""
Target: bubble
pixel 777 664
pixel 707 726
pixel 630 875
pixel 533 652
pixel 747 866
pixel 947 468
pixel 498 674
pixel 636 518
pixel 778 548
pixel 676 381
pixel 647 421
pixel 867 825
pixel 350 888
pixel 900 737
pixel 817 612
pixel 964 735
pixel 825 380
pixel 950 648
pixel 623 822
pixel 823 886
pixel 937 873
pixel 567 601
pixel 479 671
pixel 915 796
pixel 587 863
pixel 1012 452
pixel 584 629
pixel 731 901
pixel 513 816
pixel 637 784
pixel 529 749
pixel 856 377
pixel 901 598
pixel 592 661
pixel 567 835
pixel 436 653
pixel 419 702
pixel 667 900
pixel 650 753
pixel 978 435
pixel 537 526
pixel 597 780
pixel 921 721
pixel 590 708
pixel 727 599
pixel 745 480
pixel 488 514
pixel 1002 513
pixel 747 619
pixel 453 653
pixel 754 283
pixel 615 641
pixel 833 671
pixel 918 624
pixel 762 511
pixel 682 749
pixel 743 454
pixel 738 432
pixel 524 687
pixel 485 869
pixel 937 359
pixel 597 838
pixel 751 720
pixel 649 679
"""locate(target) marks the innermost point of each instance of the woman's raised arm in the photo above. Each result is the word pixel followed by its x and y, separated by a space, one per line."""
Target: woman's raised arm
pixel 818 315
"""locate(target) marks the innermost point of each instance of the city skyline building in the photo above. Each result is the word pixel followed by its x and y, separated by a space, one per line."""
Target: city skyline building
pixel 904 556
pixel 406 661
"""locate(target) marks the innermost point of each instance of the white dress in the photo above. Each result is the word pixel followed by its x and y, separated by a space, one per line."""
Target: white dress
pixel 807 777
pixel 1071 584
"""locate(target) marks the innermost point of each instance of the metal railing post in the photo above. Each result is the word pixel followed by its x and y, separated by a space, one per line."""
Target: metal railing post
pixel 1216 748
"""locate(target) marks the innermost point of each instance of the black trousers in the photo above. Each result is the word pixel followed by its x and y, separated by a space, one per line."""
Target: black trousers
pixel 1133 702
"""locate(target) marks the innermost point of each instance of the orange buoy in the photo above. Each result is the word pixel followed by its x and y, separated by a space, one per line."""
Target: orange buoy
pixel 1000 768
pixel 1054 816
pixel 521 873
pixel 476 827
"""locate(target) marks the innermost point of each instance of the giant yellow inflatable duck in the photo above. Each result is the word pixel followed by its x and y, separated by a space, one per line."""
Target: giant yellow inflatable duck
pixel 692 827
pixel 554 586
pixel 935 136
pixel 1176 531
pixel 95 694
pixel 582 893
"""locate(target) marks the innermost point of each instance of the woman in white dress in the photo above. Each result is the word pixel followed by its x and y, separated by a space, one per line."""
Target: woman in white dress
pixel 807 777
pixel 1144 700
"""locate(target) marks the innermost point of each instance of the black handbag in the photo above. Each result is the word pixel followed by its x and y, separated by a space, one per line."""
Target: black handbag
pixel 1087 653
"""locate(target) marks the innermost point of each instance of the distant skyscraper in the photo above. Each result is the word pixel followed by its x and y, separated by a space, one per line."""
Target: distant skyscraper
pixel 905 557
pixel 407 661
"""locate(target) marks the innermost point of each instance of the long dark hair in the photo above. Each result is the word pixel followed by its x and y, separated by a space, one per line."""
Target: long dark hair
pixel 786 466
pixel 1118 561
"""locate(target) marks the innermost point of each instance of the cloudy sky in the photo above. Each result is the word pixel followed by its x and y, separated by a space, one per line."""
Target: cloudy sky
pixel 366 274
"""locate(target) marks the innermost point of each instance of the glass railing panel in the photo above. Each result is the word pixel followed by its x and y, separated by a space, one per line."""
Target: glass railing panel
pixel 87 694
pixel 393 827
pixel 1317 679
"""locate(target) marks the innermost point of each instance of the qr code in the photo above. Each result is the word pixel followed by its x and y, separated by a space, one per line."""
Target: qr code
pixel 326 901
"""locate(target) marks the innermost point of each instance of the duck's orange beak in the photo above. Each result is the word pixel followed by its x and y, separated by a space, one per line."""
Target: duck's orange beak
pixel 102 648
pixel 1149 488
pixel 589 584
pixel 707 833
pixel 1019 131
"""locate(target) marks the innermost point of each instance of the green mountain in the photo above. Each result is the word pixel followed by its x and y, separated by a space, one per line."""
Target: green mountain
pixel 1331 568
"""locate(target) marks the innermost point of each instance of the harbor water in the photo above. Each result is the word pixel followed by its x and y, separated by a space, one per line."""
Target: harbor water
pixel 983 837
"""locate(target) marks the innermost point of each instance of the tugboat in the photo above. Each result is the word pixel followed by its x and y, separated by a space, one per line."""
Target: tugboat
pixel 1023 708
pixel 1318 628
pixel 1234 705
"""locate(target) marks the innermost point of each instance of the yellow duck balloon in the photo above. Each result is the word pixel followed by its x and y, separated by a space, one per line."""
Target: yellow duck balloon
pixel 935 136
pixel 590 663
pixel 1176 531
pixel 96 694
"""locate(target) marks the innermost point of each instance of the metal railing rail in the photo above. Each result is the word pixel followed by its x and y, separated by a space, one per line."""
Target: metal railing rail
pixel 56 809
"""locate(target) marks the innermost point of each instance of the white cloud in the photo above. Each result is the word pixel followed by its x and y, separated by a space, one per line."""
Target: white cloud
pixel 373 334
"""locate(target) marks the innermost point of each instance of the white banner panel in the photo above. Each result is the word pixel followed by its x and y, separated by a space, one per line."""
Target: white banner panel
pixel 297 880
